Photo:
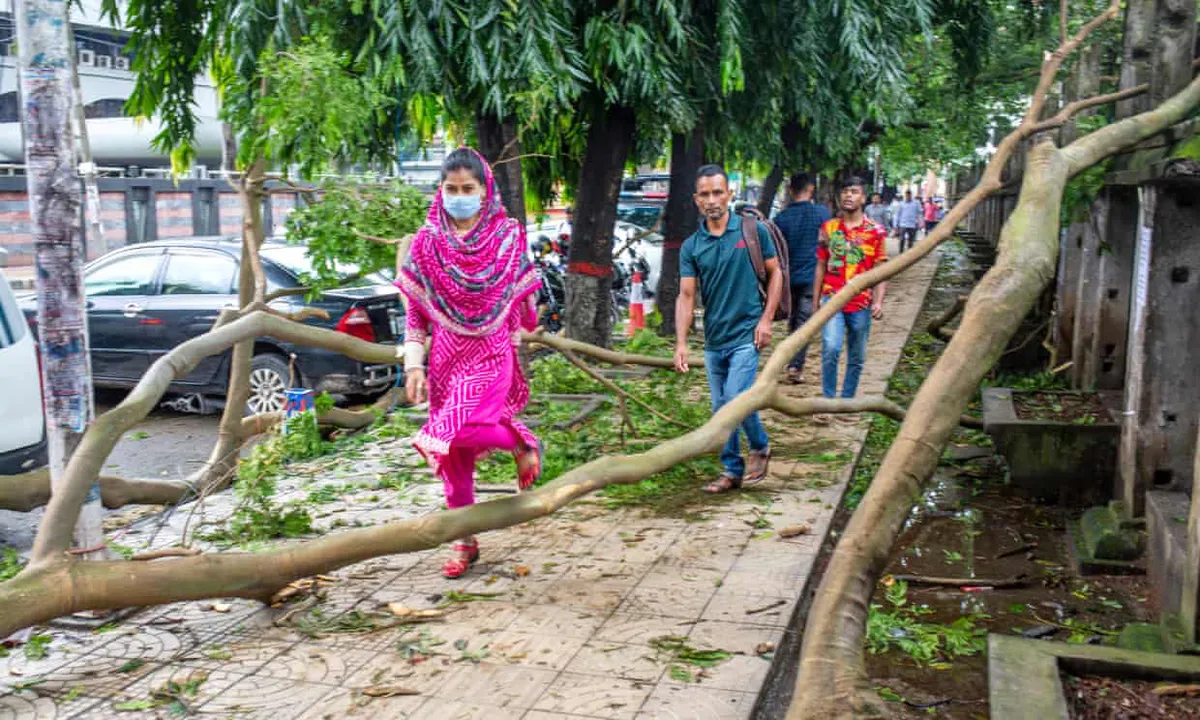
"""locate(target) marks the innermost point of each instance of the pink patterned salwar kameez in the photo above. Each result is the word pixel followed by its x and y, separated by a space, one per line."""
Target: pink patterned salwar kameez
pixel 470 296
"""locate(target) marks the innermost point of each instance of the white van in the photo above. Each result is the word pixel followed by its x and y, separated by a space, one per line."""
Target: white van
pixel 23 431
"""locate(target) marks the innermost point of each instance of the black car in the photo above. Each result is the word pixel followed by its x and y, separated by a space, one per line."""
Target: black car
pixel 145 299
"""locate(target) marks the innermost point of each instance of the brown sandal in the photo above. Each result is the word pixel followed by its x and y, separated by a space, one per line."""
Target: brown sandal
pixel 723 484
pixel 756 469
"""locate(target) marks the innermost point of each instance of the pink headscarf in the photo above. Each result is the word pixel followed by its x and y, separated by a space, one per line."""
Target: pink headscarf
pixel 469 284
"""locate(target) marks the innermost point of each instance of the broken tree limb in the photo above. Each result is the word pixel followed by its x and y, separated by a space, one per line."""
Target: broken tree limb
pixel 799 407
pixel 1014 581
pixel 621 392
pixel 612 357
pixel 832 679
pixel 337 417
pixel 937 326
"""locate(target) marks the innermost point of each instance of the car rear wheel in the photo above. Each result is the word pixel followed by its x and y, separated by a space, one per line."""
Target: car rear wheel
pixel 268 384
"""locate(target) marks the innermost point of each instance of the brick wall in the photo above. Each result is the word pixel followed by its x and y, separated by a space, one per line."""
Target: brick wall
pixel 15 234
pixel 230 213
pixel 173 214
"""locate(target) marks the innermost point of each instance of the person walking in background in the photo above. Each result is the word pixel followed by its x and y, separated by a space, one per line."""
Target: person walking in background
pixel 737 320
pixel 908 220
pixel 470 288
pixel 848 246
pixel 879 213
pixel 800 222
pixel 931 215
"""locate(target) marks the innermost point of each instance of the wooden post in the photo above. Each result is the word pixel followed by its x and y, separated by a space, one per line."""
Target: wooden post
pixel 1138 47
pixel 1132 490
pixel 1189 607
pixel 43 36
pixel 1089 295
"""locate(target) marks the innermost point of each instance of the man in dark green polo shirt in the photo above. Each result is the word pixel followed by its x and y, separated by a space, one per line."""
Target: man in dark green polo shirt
pixel 737 322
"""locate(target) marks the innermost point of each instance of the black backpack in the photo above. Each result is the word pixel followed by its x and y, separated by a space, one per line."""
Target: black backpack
pixel 750 219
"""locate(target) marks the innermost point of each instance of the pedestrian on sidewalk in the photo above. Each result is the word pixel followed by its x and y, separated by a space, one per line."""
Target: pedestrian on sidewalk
pixel 848 245
pixel 800 222
pixel 931 215
pixel 470 289
pixel 879 213
pixel 908 220
pixel 737 319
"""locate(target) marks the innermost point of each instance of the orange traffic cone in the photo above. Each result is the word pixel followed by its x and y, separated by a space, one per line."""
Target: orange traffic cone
pixel 637 311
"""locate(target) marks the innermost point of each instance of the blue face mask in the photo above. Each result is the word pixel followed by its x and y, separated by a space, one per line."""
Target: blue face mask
pixel 462 207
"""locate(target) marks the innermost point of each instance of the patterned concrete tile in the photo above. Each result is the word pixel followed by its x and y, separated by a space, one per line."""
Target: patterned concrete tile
pixel 627 662
pixel 212 684
pixel 665 575
pixel 684 602
pixel 515 687
pixel 557 620
pixel 391 668
pixel 345 702
pixel 683 702
pixel 544 651
pixel 594 696
pixel 452 710
pixel 349 703
pixel 266 698
pixel 737 605
pixel 28 705
pixel 640 629
pixel 315 664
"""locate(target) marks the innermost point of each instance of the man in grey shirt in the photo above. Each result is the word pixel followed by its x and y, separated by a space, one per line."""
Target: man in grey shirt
pixel 878 212
pixel 908 219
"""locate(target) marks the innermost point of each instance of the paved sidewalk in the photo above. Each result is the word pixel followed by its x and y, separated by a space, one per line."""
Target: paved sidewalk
pixel 568 623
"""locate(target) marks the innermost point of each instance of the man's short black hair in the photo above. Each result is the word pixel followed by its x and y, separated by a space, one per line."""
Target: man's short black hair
pixel 908 193
pixel 799 182
pixel 712 170
pixel 851 181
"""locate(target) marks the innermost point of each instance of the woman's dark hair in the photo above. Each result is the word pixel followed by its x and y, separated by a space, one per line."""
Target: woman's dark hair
pixel 464 159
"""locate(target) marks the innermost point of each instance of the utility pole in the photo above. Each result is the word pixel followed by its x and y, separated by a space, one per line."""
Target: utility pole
pixel 43 38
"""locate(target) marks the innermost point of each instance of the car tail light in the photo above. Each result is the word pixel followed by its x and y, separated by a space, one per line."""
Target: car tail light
pixel 356 322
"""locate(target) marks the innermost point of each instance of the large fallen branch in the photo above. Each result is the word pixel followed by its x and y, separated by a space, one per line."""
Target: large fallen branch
pixel 832 680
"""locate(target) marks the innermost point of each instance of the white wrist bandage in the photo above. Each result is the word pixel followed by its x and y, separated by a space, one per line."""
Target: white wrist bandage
pixel 414 355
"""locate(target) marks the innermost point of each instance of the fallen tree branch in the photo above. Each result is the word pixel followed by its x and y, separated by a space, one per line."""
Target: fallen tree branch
pixel 800 407
pixel 337 417
pixel 165 553
pixel 612 357
pixel 304 290
pixel 376 238
pixel 937 326
pixel 1014 581
pixel 622 394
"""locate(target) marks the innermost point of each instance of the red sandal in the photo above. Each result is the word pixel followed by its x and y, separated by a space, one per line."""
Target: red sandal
pixel 456 567
pixel 529 467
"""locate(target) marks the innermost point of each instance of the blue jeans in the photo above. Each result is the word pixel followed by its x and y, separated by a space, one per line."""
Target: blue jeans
pixel 851 328
pixel 730 373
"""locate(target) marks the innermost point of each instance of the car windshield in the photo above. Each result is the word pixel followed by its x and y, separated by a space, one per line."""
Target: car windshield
pixel 294 259
pixel 643 215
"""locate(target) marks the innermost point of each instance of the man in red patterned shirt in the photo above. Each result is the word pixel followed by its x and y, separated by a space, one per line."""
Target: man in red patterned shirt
pixel 847 246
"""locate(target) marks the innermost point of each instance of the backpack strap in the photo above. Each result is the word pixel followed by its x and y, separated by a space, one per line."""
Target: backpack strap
pixel 750 235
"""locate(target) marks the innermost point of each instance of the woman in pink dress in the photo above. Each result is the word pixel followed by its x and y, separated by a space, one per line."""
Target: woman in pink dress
pixel 470 288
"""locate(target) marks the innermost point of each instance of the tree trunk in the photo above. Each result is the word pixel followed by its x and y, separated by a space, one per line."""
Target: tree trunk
pixel 680 219
pixel 499 143
pixel 789 138
pixel 770 188
pixel 45 58
pixel 589 266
